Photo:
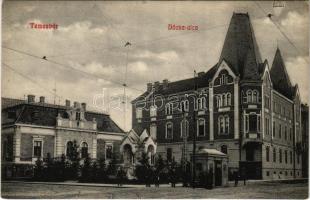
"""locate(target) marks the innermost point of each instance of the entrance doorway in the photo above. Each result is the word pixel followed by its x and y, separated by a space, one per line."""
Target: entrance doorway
pixel 218 172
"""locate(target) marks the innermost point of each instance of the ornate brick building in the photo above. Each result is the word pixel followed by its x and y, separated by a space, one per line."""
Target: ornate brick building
pixel 240 106
pixel 35 129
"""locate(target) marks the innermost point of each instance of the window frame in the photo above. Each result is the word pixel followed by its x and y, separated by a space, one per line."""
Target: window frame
pixel 34 140
pixel 166 127
pixel 83 147
pixel 139 113
pixel 106 147
pixel 204 127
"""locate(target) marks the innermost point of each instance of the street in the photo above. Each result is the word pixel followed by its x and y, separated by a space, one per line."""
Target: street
pixel 255 190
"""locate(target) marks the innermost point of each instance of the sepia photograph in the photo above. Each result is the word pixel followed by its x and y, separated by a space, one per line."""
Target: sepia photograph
pixel 155 99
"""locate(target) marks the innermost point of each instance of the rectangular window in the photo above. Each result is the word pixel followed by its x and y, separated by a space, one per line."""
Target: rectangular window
pixel 280 130
pixel 267 154
pixel 78 116
pixel 169 131
pixel 153 111
pixel 274 155
pixel 247 123
pixel 280 155
pixel 37 149
pixel 153 131
pixel 285 133
pixel 201 127
pixel 285 156
pixel 139 113
pixel 298 159
pixel 291 157
pixel 109 152
pixel 253 123
pixel 291 134
pixel 274 129
pixel 267 173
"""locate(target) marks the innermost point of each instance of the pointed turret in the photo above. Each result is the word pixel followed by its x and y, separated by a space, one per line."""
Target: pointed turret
pixel 240 48
pixel 279 76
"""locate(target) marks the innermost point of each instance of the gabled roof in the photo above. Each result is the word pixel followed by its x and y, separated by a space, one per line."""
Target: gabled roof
pixel 46 115
pixel 279 76
pixel 240 49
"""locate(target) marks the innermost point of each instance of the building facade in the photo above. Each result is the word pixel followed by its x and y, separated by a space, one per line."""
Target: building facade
pixel 32 130
pixel 241 106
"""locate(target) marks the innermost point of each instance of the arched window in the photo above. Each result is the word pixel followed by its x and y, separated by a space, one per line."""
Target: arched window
pixel 201 127
pixel 226 131
pixel 218 101
pixel 228 98
pixel 184 106
pixel 168 108
pixel 69 150
pixel 267 153
pixel 127 155
pixel 184 128
pixel 201 103
pixel 84 150
pixel 255 96
pixel 169 130
pixel 249 96
pixel 151 154
pixel 224 149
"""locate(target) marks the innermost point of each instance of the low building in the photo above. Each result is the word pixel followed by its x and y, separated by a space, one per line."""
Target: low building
pixel 33 129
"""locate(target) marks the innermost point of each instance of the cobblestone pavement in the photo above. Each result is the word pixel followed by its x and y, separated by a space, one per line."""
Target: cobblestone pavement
pixel 255 190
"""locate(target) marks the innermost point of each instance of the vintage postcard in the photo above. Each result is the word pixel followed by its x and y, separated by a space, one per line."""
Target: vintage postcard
pixel 155 99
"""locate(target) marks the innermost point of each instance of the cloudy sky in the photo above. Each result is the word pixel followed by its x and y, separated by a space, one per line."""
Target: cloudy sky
pixel 91 37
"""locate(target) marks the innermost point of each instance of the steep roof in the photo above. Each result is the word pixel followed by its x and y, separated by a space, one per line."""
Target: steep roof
pixel 45 115
pixel 240 49
pixel 279 76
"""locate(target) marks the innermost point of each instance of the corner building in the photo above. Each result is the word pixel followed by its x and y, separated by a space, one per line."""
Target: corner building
pixel 241 107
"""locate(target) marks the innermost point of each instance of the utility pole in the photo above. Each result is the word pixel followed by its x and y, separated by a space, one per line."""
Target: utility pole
pixel 194 137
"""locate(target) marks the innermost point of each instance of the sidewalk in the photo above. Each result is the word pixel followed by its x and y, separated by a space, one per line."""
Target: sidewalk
pixel 71 183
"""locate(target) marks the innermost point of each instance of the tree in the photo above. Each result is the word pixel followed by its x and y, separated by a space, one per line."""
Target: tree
pixel 143 169
pixel 112 165
pixel 85 169
pixel 102 171
pixel 38 169
pixel 73 163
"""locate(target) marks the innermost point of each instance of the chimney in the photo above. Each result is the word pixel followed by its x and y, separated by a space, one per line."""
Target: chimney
pixel 200 74
pixel 67 103
pixel 165 83
pixel 75 104
pixel 42 99
pixel 31 98
pixel 84 106
pixel 156 85
pixel 149 87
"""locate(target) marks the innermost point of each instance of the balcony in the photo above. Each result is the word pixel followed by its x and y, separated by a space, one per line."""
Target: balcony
pixel 252 137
